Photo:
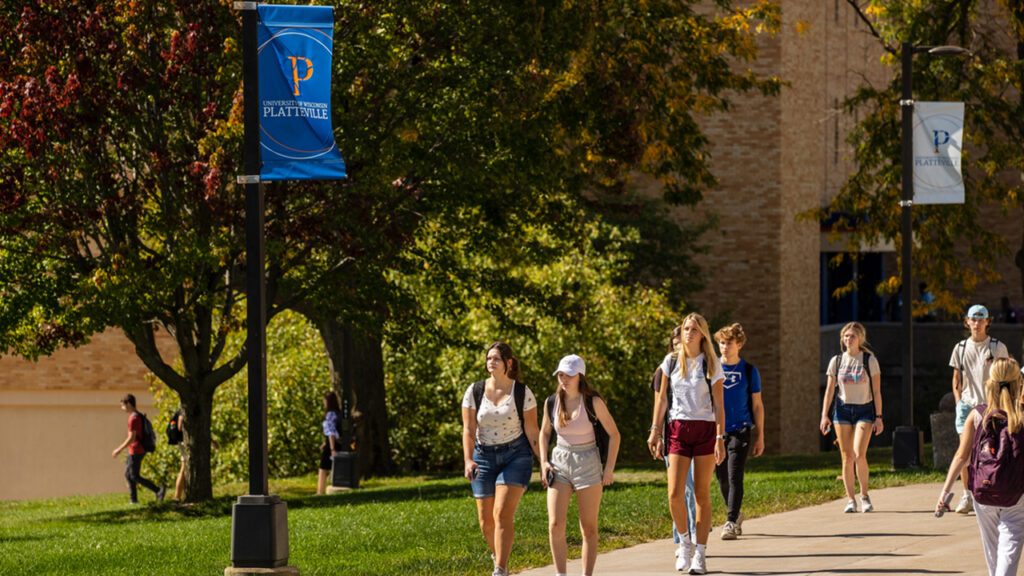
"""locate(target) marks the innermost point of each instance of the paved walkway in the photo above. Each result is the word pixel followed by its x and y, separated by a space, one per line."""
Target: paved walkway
pixel 902 536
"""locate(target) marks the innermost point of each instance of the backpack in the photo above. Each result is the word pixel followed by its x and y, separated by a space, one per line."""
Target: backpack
pixel 148 438
pixel 174 435
pixel 601 437
pixel 518 393
pixel 995 474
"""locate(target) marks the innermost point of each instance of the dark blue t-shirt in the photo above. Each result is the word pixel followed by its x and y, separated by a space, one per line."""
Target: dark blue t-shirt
pixel 737 413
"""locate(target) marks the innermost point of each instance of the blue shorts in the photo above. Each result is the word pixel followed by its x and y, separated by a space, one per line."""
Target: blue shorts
pixel 850 414
pixel 963 410
pixel 508 464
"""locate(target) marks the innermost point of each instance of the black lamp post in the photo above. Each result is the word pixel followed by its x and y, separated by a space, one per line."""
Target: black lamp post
pixel 259 520
pixel 906 443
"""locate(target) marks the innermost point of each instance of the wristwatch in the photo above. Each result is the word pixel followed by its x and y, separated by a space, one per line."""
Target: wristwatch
pixel 720 436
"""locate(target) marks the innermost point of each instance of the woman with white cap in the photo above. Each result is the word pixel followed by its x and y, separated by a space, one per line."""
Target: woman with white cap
pixel 584 428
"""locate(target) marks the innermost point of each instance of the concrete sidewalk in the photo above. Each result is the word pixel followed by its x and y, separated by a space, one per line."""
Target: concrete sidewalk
pixel 902 536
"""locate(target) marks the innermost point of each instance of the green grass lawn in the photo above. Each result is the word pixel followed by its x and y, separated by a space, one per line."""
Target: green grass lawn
pixel 411 525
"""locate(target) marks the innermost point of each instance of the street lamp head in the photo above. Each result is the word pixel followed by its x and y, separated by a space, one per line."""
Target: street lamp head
pixel 949 51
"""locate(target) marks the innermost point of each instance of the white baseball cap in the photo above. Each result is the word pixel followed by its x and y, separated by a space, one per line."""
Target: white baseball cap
pixel 571 365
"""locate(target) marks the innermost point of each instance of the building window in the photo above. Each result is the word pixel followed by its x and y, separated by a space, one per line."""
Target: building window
pixel 866 270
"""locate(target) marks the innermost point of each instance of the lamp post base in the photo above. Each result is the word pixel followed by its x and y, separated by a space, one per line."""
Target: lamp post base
pixel 259 535
pixel 280 571
pixel 907 447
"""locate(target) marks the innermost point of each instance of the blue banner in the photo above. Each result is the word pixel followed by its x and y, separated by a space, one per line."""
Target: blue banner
pixel 296 141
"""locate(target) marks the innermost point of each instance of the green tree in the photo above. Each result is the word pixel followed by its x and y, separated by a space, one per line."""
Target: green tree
pixel 120 129
pixel 956 248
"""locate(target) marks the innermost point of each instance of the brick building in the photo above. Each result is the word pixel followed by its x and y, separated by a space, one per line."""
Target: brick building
pixel 60 418
pixel 775 158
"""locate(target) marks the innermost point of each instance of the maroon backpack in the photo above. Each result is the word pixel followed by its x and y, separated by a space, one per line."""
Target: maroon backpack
pixel 995 475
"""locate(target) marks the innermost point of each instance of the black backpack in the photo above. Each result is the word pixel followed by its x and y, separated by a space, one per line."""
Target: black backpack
pixel 601 437
pixel 174 435
pixel 518 393
pixel 148 434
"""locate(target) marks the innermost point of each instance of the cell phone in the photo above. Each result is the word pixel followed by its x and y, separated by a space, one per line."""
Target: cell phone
pixel 472 475
pixel 945 505
pixel 551 476
pixel 827 430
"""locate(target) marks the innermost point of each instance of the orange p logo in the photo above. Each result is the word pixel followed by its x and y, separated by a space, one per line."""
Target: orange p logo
pixel 295 71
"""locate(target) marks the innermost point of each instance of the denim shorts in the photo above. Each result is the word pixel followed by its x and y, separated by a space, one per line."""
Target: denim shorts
pixel 963 410
pixel 508 464
pixel 578 466
pixel 850 414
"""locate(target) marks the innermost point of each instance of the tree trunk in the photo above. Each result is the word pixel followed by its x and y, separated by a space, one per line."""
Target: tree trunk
pixel 196 444
pixel 369 414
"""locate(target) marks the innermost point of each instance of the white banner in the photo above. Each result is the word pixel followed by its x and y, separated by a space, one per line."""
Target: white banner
pixel 938 140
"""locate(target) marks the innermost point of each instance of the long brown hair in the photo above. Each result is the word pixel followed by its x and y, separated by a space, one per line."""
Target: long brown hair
pixel 507 358
pixel 332 401
pixel 585 390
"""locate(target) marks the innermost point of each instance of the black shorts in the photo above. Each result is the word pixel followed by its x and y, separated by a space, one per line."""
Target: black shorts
pixel 325 457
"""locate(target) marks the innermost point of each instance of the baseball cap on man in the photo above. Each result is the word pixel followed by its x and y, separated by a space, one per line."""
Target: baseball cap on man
pixel 978 312
pixel 571 365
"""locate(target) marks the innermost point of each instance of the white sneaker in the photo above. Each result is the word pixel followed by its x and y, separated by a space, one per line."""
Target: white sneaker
pixel 684 554
pixel 700 563
pixel 729 531
pixel 865 504
pixel 739 524
pixel 851 506
pixel 966 504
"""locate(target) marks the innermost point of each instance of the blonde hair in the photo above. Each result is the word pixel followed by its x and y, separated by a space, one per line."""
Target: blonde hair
pixel 1002 392
pixel 732 333
pixel 858 328
pixel 705 345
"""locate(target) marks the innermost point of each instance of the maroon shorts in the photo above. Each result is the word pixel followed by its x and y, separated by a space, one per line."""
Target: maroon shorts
pixel 691 438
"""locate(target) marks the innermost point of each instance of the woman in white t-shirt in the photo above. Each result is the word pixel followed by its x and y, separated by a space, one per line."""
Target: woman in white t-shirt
pixel 689 405
pixel 858 409
pixel 499 440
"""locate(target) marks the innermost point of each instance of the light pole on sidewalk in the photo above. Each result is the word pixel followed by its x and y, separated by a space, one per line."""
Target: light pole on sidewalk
pixel 906 438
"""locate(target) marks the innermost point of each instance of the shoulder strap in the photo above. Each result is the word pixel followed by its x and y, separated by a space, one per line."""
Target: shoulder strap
pixel 704 370
pixel 963 355
pixel 478 393
pixel 549 408
pixel 993 347
pixel 748 369
pixel 588 403
pixel 519 395
pixel 867 370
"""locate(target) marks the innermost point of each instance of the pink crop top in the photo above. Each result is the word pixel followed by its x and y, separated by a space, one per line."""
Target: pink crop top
pixel 577 431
